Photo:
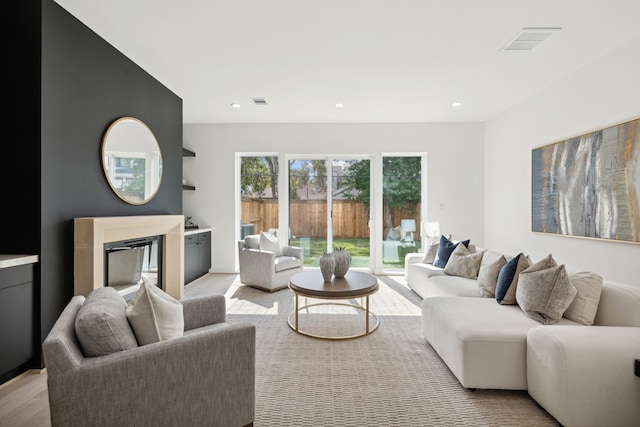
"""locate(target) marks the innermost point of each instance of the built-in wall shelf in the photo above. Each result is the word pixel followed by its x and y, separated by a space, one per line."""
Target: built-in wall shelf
pixel 188 153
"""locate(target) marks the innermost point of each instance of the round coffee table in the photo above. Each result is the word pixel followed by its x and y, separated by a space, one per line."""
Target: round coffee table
pixel 355 284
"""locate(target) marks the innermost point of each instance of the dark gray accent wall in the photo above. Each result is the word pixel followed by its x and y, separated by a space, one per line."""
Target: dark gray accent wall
pixel 67 86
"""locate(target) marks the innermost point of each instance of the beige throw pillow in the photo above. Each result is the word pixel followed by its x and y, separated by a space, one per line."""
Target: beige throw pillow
pixel 430 256
pixel 544 292
pixel 585 305
pixel 488 275
pixel 463 263
pixel 269 242
pixel 155 315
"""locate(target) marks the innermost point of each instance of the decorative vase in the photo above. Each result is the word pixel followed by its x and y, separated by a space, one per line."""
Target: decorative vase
pixel 343 262
pixel 327 265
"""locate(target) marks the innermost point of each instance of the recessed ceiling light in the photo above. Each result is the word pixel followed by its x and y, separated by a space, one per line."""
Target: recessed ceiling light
pixel 339 105
pixel 235 105
pixel 456 104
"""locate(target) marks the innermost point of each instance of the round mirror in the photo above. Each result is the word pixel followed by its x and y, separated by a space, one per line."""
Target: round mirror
pixel 131 160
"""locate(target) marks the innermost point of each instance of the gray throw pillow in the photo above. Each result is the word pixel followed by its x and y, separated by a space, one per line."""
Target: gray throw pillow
pixel 101 324
pixel 544 293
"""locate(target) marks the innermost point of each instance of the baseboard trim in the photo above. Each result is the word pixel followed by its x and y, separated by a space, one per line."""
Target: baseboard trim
pixel 22 375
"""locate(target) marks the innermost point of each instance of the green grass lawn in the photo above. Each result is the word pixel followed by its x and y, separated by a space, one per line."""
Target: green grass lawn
pixel 358 248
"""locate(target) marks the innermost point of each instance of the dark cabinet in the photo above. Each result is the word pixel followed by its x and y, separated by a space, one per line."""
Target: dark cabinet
pixel 16 319
pixel 197 255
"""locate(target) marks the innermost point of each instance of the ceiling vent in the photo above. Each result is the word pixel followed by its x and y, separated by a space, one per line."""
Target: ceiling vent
pixel 259 101
pixel 529 38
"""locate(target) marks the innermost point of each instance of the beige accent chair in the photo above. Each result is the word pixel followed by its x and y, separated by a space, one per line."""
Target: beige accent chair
pixel 265 269
pixel 204 378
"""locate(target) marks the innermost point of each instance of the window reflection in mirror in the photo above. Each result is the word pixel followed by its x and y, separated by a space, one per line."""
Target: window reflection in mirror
pixel 131 160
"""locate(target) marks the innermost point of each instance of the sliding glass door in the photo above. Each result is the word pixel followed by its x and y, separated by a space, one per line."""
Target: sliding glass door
pixel 370 205
pixel 401 208
pixel 329 200
pixel 258 193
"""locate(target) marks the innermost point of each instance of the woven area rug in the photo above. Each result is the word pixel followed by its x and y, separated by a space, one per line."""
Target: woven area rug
pixel 391 377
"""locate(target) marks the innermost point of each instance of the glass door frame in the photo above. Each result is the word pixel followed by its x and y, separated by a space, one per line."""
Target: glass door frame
pixel 375 203
pixel 238 197
pixel 379 214
pixel 283 181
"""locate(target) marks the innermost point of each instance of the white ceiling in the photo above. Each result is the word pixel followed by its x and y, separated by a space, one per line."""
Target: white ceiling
pixel 385 60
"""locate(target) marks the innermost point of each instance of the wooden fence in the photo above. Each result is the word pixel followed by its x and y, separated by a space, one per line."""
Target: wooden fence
pixel 308 218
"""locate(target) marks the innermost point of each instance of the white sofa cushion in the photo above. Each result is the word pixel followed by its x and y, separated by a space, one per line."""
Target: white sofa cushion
pixel 583 376
pixel 418 274
pixel 482 342
pixel 451 286
pixel 618 305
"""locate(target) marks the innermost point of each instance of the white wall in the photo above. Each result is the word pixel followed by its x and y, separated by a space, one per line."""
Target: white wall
pixel 605 93
pixel 454 170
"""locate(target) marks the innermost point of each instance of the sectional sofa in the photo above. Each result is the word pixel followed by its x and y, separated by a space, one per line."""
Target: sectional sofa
pixel 577 362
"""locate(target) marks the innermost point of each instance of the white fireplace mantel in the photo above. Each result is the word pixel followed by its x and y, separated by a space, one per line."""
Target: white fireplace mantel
pixel 90 235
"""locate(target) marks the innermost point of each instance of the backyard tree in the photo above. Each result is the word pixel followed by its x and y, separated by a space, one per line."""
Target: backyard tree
pixel 401 183
pixel 298 177
pixel 258 174
pixel 319 172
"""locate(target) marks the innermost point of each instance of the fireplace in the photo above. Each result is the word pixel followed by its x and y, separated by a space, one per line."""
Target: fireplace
pixel 92 234
pixel 129 262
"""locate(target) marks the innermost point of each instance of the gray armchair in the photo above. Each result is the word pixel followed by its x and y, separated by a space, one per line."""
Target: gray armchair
pixel 263 269
pixel 204 378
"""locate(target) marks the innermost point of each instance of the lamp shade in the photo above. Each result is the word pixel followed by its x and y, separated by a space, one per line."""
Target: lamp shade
pixel 408 225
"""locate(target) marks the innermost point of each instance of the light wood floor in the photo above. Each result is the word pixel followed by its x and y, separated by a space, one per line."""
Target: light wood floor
pixel 24 400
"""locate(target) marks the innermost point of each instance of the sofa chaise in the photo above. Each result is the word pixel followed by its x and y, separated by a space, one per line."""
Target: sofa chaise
pixel 582 375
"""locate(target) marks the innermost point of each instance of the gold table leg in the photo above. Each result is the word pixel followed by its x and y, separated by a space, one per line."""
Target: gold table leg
pixel 296 312
pixel 367 314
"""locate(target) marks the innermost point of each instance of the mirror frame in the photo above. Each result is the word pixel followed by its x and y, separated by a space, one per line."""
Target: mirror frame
pixel 105 166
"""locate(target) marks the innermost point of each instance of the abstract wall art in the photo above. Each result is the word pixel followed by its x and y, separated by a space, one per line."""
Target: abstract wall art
pixel 589 186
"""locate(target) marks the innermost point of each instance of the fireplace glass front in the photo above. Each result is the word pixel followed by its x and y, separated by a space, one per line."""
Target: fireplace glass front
pixel 128 262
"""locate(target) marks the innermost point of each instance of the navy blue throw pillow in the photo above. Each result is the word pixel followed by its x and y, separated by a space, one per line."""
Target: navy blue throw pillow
pixel 505 277
pixel 445 249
